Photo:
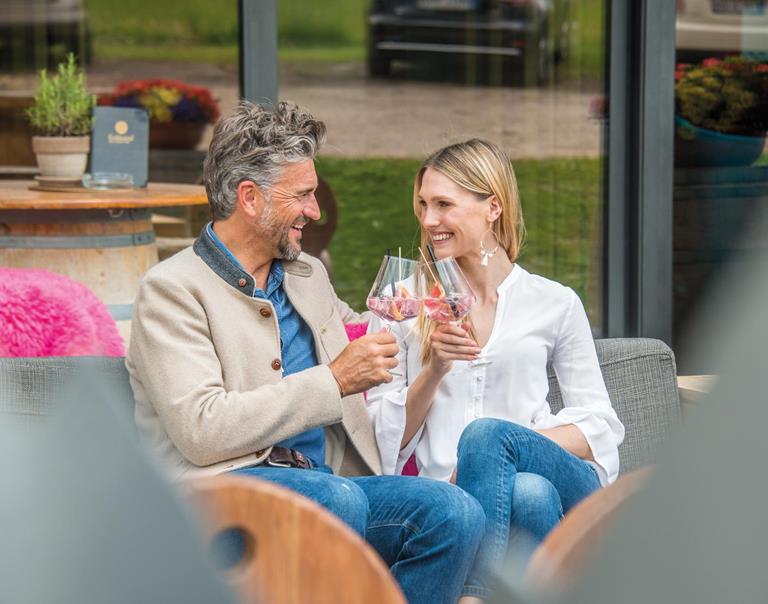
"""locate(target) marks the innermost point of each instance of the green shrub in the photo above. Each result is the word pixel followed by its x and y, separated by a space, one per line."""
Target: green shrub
pixel 62 106
pixel 728 95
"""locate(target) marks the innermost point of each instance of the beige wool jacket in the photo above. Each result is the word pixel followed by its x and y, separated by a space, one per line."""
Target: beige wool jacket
pixel 204 366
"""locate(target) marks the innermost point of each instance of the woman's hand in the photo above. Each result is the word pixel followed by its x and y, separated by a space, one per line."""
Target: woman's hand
pixel 451 343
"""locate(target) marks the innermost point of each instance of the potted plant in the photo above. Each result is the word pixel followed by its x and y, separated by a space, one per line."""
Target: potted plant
pixel 61 115
pixel 721 111
pixel 178 112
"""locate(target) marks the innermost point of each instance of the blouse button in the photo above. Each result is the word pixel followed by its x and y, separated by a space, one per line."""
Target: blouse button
pixel 241 282
pixel 276 364
pixel 265 312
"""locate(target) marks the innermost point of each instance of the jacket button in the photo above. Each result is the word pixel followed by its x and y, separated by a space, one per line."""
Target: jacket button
pixel 241 282
pixel 276 364
pixel 265 312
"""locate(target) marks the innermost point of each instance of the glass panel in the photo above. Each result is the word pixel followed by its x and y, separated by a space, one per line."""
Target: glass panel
pixel 721 167
pixel 397 79
pixel 194 42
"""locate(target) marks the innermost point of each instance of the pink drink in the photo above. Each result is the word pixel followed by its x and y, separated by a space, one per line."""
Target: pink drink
pixel 448 308
pixel 391 308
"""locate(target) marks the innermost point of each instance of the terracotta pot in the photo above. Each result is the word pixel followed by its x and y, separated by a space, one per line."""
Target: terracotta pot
pixel 61 156
pixel 175 135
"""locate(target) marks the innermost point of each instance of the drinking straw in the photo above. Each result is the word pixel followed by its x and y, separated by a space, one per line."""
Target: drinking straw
pixel 399 265
pixel 427 263
pixel 432 253
pixel 443 281
pixel 392 277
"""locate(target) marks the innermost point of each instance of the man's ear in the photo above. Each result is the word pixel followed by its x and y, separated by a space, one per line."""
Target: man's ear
pixel 494 209
pixel 250 198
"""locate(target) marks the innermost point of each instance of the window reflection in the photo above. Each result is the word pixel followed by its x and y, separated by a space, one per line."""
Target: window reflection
pixel 721 169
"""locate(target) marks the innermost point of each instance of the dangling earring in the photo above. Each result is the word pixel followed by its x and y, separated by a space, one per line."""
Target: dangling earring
pixel 486 253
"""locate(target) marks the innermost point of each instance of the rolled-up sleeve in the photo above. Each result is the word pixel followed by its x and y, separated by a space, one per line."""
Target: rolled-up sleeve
pixel 586 404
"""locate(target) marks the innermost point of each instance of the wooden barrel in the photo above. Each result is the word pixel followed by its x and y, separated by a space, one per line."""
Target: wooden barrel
pixel 108 250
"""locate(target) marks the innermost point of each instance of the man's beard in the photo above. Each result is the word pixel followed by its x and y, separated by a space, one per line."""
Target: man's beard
pixel 268 222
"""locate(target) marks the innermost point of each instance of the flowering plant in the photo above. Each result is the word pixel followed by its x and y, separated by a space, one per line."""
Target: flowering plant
pixel 728 95
pixel 165 100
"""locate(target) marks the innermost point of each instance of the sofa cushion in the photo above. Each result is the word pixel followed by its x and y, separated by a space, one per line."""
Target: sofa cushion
pixel 640 376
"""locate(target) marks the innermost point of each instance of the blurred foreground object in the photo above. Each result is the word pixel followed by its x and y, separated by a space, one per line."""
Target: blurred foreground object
pixel 293 551
pixel 85 517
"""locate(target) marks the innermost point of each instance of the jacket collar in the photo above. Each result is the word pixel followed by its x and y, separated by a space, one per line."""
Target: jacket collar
pixel 220 264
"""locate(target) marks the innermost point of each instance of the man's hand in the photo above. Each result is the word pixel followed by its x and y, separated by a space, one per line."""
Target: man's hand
pixel 365 363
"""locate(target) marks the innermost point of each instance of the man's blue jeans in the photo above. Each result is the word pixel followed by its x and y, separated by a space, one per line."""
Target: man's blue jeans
pixel 427 531
pixel 525 483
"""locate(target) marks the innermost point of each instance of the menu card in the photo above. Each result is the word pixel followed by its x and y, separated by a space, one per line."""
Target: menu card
pixel 120 142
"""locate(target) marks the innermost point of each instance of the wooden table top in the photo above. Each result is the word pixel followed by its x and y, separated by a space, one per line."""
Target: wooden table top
pixel 16 195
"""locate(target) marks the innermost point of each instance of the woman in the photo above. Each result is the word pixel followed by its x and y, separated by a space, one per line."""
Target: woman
pixel 470 400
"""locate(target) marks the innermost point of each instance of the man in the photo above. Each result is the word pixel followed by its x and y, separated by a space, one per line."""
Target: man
pixel 239 360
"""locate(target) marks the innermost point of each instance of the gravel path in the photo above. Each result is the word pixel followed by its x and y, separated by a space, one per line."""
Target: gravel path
pixel 395 118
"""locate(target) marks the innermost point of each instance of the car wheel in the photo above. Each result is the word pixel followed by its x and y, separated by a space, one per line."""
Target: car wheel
pixel 378 66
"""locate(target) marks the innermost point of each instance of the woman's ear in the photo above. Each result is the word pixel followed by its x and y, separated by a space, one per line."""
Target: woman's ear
pixel 494 208
pixel 250 198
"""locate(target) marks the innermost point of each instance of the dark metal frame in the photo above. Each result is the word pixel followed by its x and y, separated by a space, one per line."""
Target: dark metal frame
pixel 637 285
pixel 258 50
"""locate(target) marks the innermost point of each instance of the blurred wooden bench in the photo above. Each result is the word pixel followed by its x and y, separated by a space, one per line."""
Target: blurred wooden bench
pixel 574 543
pixel 294 551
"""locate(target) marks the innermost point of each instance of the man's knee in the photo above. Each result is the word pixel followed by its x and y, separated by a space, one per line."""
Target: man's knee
pixel 347 501
pixel 457 513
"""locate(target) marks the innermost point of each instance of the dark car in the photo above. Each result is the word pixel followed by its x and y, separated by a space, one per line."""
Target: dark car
pixel 522 38
pixel 39 33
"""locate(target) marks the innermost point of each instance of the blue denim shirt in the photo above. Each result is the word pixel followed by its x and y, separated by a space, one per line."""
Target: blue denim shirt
pixel 297 346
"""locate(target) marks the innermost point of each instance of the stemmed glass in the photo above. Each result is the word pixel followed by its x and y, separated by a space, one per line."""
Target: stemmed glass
pixel 392 296
pixel 444 291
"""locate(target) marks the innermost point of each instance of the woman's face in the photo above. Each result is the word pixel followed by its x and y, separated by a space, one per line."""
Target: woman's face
pixel 453 217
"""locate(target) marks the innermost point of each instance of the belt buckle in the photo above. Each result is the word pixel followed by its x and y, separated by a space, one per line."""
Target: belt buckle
pixel 277 464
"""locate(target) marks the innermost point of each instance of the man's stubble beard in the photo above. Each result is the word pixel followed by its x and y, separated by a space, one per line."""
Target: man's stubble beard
pixel 269 225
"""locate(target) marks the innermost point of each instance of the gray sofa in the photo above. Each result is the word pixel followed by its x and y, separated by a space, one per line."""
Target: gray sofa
pixel 640 375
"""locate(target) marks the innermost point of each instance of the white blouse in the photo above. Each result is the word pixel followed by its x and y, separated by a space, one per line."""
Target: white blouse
pixel 538 321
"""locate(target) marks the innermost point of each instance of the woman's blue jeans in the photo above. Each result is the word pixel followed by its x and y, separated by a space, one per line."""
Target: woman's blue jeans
pixel 427 531
pixel 524 481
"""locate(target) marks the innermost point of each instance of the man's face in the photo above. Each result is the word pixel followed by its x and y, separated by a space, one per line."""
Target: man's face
pixel 291 206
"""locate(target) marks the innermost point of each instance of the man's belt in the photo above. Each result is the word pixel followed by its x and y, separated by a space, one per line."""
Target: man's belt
pixel 282 457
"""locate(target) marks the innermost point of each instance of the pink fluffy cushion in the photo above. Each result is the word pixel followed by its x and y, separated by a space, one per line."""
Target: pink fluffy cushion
pixel 354 331
pixel 46 314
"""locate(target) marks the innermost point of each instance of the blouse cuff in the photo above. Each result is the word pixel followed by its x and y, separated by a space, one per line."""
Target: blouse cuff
pixel 599 436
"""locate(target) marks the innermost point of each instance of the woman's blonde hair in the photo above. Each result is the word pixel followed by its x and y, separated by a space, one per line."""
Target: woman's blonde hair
pixel 483 169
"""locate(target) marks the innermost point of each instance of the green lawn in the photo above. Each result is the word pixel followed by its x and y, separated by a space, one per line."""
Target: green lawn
pixel 332 31
pixel 561 199
pixel 206 31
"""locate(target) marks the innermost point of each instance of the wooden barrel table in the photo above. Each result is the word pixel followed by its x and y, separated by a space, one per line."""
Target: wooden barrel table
pixel 103 239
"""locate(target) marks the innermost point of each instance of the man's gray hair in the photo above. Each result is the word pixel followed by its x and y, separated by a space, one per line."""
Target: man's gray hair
pixel 254 143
